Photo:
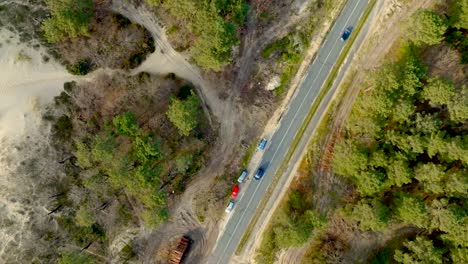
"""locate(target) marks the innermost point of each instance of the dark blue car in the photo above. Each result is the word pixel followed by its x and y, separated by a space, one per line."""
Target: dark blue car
pixel 346 33
pixel 259 173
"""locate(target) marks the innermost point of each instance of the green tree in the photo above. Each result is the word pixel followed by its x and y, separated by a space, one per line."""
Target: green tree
pixel 398 171
pixel 412 71
pixel 458 106
pixel 183 162
pixel 427 123
pixel 403 110
pixel 291 231
pixel 370 182
pixel 431 176
pixel 209 22
pixel 421 250
pixel 74 257
pixel 212 51
pixel 458 13
pixel 69 19
pixel 459 255
pixel 126 124
pixel 457 183
pixel 438 91
pixel 84 216
pixel 411 210
pixel 451 220
pixel 83 154
pixel 425 27
pixel 104 149
pixel 348 160
pixel 145 149
pixel 184 114
pixel 370 216
pixel 153 218
pixel 154 3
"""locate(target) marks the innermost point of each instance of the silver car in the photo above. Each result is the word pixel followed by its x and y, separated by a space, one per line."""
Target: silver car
pixel 230 206
pixel 242 177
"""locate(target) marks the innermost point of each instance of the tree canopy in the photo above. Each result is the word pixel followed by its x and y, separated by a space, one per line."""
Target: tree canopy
pixel 421 250
pixel 458 13
pixel 405 149
pixel 425 27
pixel 69 19
pixel 214 24
pixel 184 114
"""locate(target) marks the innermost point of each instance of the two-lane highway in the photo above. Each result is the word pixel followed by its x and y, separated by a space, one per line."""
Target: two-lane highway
pixel 280 142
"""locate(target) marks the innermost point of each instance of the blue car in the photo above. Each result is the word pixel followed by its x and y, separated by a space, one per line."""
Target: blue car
pixel 346 33
pixel 259 174
pixel 262 144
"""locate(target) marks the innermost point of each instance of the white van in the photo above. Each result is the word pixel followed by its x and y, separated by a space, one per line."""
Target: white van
pixel 242 177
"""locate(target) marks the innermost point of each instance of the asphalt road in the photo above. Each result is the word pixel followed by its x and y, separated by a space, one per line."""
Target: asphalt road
pixel 281 140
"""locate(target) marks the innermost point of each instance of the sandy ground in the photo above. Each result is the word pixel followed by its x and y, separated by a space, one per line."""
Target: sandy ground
pixel 26 82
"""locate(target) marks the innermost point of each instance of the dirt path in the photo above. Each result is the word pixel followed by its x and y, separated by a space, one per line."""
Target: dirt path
pixel 292 255
pixel 165 60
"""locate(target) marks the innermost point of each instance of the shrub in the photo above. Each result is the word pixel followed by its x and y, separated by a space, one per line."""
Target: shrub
pixel 184 114
pixel 82 67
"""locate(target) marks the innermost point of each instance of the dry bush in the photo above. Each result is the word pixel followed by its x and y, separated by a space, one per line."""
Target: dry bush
pixel 330 245
pixel 114 42
pixel 107 96
pixel 443 60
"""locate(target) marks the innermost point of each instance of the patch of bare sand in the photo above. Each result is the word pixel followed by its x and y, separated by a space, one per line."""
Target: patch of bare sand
pixel 26 82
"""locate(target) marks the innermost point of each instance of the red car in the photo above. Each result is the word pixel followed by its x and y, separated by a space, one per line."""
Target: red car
pixel 235 191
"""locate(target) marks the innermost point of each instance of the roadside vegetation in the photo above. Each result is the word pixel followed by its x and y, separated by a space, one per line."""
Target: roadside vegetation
pixel 403 157
pixel 127 157
pixel 285 54
pixel 405 149
pixel 293 221
pixel 208 28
